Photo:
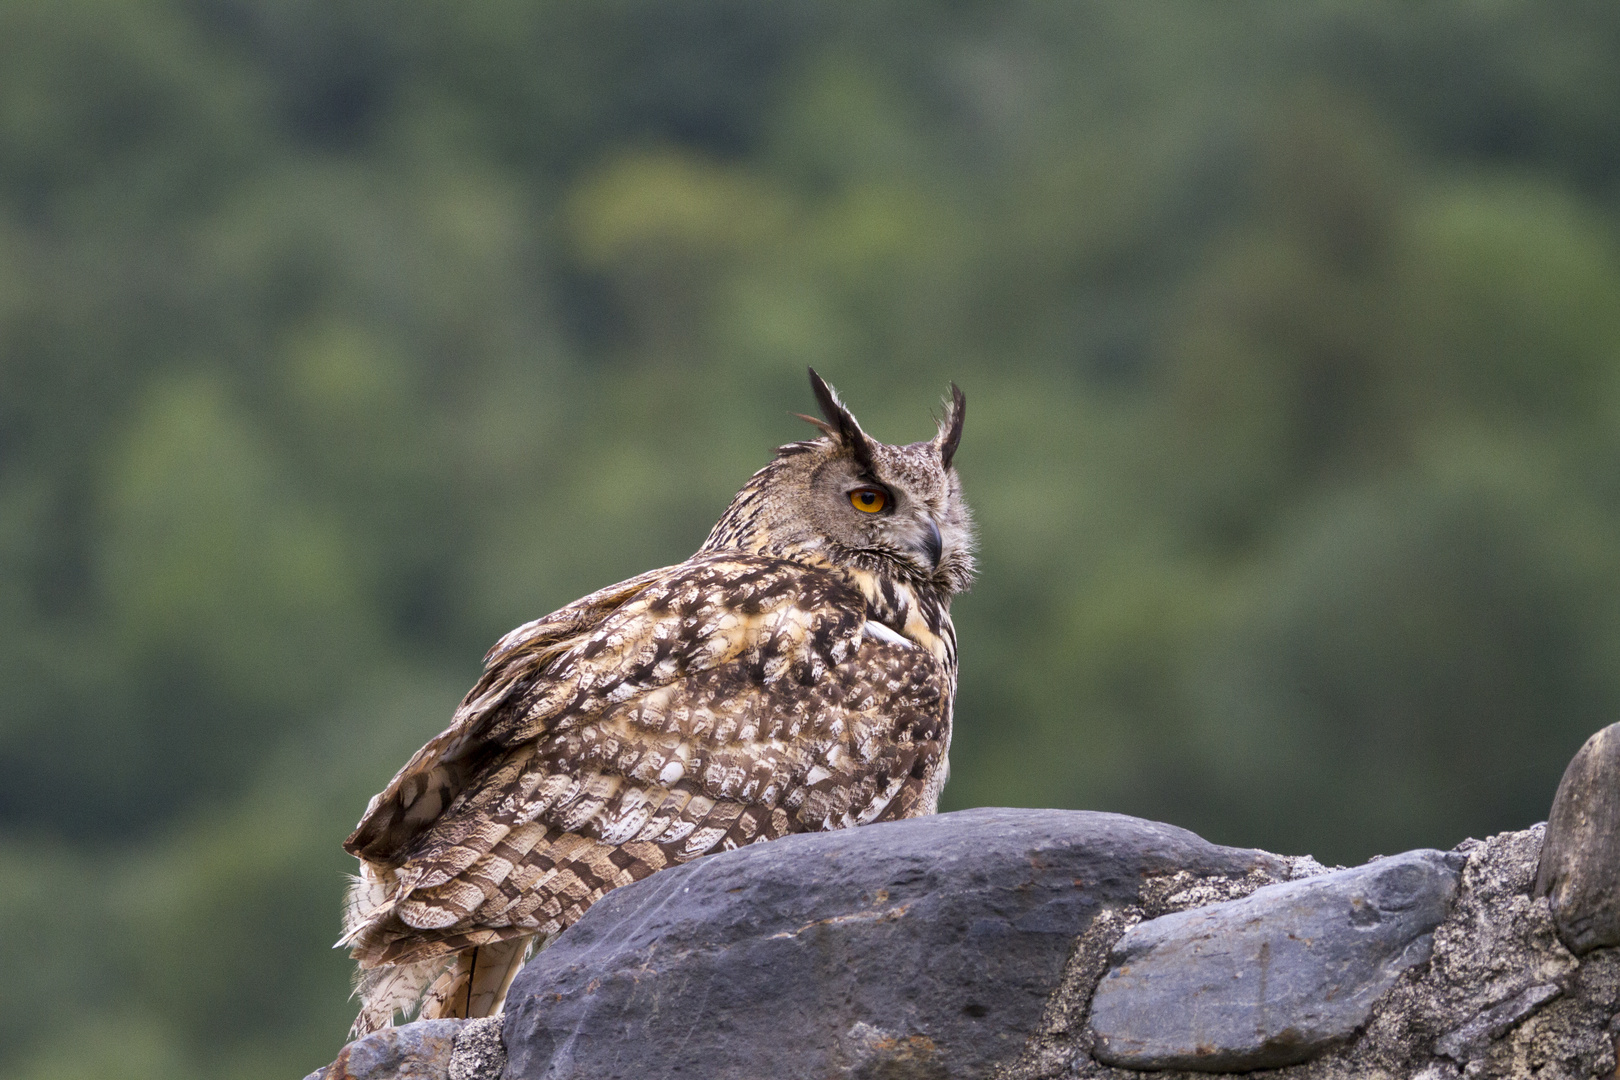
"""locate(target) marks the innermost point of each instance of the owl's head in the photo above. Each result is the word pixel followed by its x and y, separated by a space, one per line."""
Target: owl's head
pixel 853 501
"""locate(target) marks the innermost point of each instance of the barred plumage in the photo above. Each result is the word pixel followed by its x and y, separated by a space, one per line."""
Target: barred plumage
pixel 796 674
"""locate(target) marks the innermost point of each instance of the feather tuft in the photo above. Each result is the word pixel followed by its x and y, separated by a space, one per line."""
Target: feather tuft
pixel 841 424
pixel 950 428
pixel 384 991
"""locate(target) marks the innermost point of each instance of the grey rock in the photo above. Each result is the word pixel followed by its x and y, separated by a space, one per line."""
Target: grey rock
pixel 1501 997
pixel 1579 869
pixel 419 1051
pixel 922 949
pixel 479 1053
pixel 1062 1042
pixel 425 1050
pixel 1498 944
pixel 1470 1040
pixel 1274 978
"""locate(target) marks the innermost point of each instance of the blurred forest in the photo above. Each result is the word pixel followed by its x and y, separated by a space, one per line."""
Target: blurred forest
pixel 337 337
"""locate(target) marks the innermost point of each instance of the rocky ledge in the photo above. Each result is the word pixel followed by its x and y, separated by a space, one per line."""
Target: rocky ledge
pixel 1025 944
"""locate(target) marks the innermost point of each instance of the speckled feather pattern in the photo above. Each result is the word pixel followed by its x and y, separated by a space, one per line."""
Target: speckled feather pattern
pixel 730 699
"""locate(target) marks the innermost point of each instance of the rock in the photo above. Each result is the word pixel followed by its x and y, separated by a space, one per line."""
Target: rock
pixel 425 1050
pixel 1580 860
pixel 1493 950
pixel 1482 996
pixel 1273 978
pixel 479 1053
pixel 419 1051
pixel 1470 1040
pixel 925 948
pixel 803 968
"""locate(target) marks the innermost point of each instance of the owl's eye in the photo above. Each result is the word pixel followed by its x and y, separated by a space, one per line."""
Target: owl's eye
pixel 869 500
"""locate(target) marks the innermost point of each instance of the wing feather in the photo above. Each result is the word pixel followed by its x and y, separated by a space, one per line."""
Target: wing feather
pixel 707 706
pixel 441 770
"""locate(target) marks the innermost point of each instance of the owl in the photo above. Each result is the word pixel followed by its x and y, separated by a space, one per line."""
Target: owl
pixel 796 674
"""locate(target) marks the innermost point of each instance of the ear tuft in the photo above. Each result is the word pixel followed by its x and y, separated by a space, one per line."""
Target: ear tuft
pixel 840 424
pixel 950 428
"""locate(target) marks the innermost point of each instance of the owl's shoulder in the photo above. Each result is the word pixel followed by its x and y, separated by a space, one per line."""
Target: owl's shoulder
pixel 558 672
pixel 712 610
pixel 748 584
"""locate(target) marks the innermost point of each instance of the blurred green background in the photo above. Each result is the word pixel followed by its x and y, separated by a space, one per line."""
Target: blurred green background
pixel 337 337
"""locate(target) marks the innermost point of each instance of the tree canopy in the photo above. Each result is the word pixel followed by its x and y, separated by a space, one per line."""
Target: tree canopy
pixel 337 337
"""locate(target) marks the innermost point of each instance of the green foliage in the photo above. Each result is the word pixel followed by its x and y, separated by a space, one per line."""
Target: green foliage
pixel 339 337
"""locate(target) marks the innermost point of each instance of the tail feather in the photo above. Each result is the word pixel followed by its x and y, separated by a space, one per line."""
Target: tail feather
pixel 493 970
pixel 372 895
pixel 447 997
pixel 475 984
pixel 470 984
pixel 384 991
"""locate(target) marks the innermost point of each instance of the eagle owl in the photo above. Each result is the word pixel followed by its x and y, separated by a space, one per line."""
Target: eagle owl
pixel 796 674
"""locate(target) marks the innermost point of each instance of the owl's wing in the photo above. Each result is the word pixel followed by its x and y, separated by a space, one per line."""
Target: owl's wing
pixel 728 700
pixel 440 771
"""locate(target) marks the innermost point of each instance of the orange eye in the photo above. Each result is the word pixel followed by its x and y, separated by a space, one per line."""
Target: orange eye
pixel 869 500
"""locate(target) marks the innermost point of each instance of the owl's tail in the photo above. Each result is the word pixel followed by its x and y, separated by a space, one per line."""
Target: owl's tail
pixel 470 982
pixel 393 988
pixel 463 985
pixel 476 984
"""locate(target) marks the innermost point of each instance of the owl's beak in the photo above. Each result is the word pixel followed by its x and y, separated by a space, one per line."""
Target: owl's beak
pixel 932 545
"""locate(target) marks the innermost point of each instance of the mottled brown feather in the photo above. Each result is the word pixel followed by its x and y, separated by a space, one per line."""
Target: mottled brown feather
pixel 796 674
pixel 722 702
